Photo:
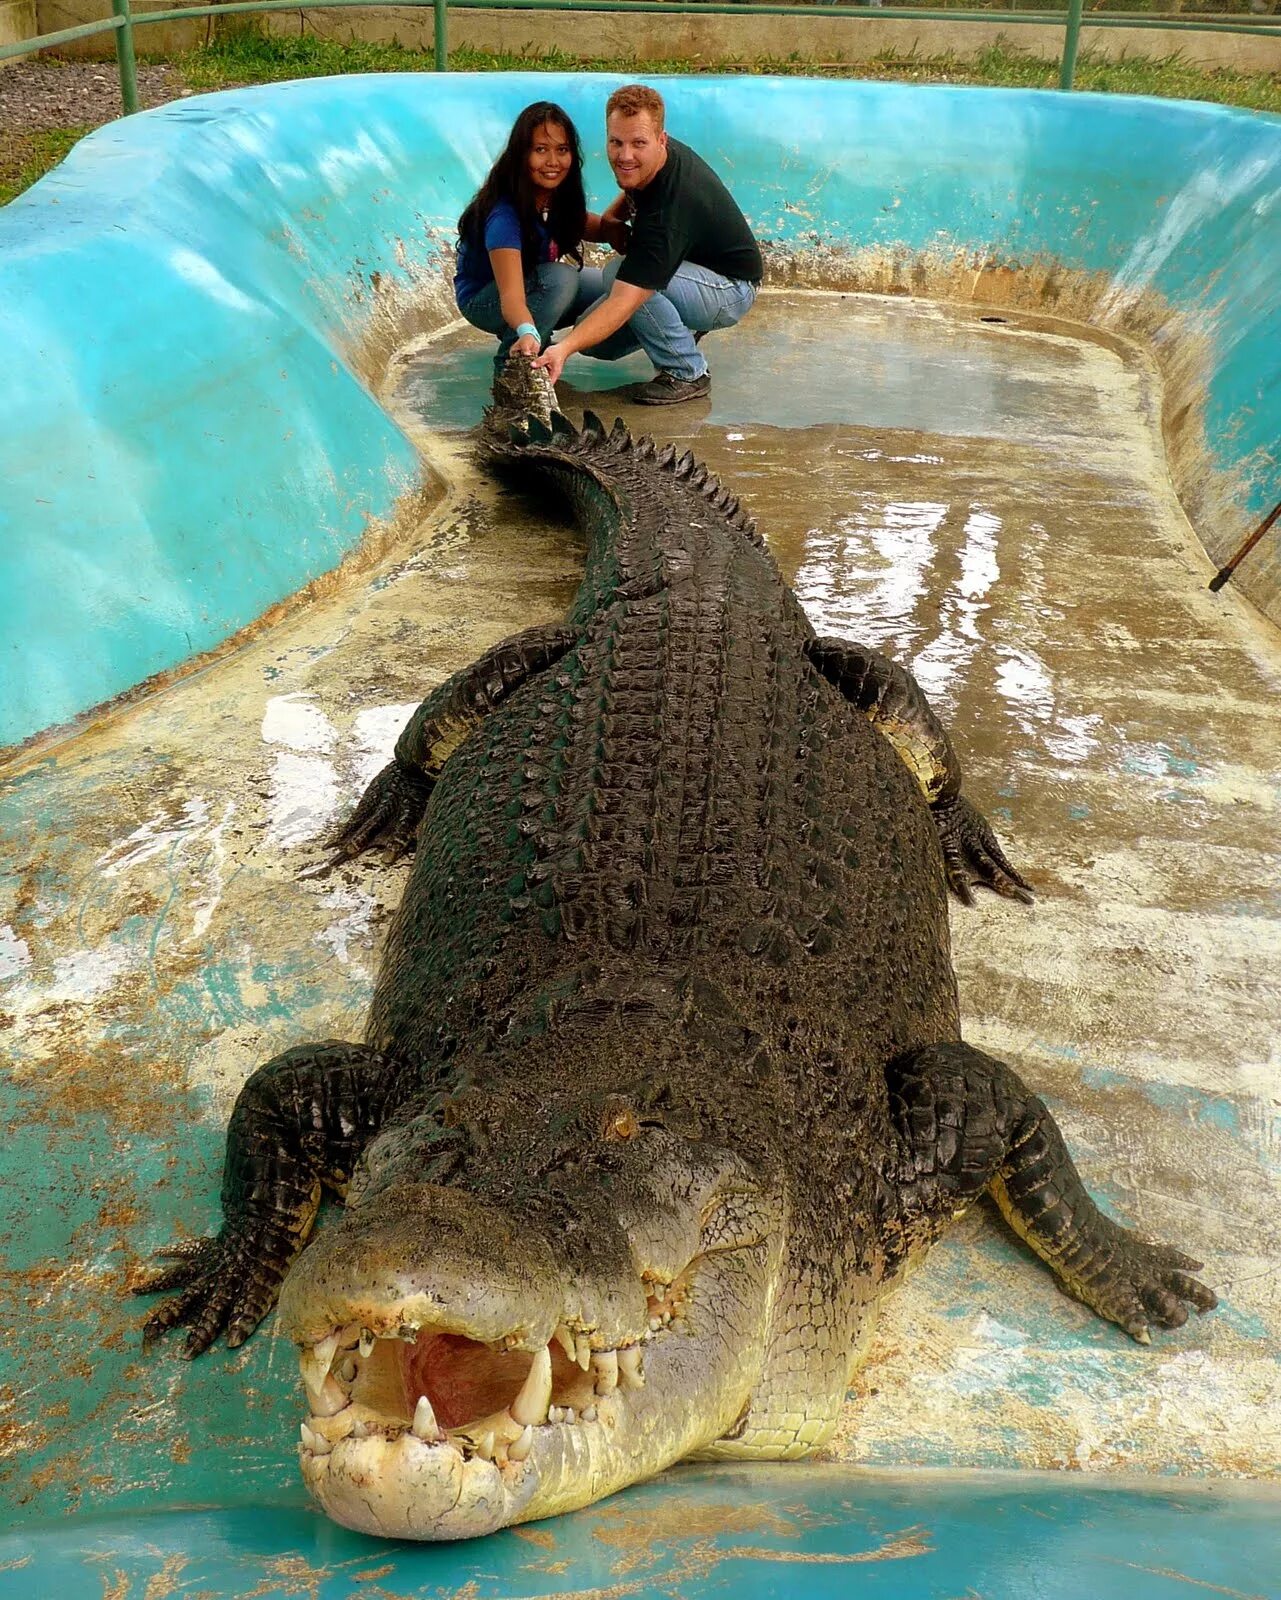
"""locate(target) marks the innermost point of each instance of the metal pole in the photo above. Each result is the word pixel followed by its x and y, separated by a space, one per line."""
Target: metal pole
pixel 125 57
pixel 1224 573
pixel 1071 43
pixel 442 39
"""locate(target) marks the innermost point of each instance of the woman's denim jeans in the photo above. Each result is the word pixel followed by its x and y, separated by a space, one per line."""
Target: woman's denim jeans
pixel 552 295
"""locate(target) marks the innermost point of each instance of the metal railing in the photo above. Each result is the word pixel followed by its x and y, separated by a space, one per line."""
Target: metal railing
pixel 122 23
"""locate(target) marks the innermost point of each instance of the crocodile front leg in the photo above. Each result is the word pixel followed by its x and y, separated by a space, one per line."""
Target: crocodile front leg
pixel 299 1122
pixel 392 806
pixel 894 703
pixel 969 1124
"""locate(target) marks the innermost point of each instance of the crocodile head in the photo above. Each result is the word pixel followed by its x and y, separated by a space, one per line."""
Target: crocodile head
pixel 527 1305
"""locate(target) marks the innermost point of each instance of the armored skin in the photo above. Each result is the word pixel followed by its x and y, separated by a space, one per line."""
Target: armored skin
pixel 663 1083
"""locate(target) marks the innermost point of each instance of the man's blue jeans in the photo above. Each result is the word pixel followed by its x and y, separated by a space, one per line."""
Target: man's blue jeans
pixel 552 295
pixel 696 300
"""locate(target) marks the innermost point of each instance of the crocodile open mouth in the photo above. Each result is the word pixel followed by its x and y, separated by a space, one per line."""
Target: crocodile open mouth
pixel 441 1389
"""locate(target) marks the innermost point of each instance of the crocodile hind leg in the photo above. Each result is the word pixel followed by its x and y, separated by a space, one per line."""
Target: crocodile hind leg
pixel 392 806
pixel 968 1125
pixel 893 702
pixel 299 1123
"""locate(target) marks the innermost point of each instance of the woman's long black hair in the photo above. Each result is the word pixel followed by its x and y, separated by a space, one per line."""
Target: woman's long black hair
pixel 509 179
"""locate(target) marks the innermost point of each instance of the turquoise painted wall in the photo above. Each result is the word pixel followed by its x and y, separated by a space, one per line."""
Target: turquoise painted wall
pixel 182 442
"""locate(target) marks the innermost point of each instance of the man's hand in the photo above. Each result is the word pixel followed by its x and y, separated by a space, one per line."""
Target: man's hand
pixel 616 234
pixel 615 223
pixel 527 345
pixel 553 360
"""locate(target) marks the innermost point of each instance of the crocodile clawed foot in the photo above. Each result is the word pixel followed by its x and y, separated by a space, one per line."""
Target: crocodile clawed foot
pixel 972 855
pixel 223 1291
pixel 389 813
pixel 1147 1285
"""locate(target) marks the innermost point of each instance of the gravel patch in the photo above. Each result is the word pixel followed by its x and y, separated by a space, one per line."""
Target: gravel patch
pixel 39 96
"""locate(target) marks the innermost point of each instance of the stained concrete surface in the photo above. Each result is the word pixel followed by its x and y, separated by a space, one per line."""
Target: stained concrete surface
pixel 1021 549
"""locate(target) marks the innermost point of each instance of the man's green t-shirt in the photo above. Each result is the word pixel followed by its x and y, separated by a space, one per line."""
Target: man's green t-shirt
pixel 686 213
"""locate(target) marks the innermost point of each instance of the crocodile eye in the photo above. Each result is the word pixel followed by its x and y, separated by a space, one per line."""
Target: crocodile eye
pixel 620 1122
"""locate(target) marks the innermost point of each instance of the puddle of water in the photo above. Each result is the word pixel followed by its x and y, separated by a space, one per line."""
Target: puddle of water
pixel 799 361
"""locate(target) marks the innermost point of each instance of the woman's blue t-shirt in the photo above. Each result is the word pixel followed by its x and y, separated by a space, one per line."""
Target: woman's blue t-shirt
pixel 475 271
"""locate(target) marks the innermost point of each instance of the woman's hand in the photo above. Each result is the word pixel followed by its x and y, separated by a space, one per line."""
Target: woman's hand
pixel 527 345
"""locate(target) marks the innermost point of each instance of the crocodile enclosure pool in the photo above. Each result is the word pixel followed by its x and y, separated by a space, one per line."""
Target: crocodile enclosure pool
pixel 1013 393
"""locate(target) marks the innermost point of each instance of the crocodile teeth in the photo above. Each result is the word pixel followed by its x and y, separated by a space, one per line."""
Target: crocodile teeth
pixel 315 1361
pixel 367 1342
pixel 565 1339
pixel 631 1372
pixel 522 1446
pixel 605 1365
pixel 555 1415
pixel 315 1442
pixel 589 1415
pixel 425 1424
pixel 529 1408
pixel 324 1396
pixel 582 1352
pixel 328 1400
pixel 348 1367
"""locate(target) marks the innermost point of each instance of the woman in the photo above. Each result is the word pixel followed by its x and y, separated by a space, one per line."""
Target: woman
pixel 520 238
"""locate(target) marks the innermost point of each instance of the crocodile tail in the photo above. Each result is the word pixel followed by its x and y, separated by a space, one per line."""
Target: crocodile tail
pixel 684 466
pixel 593 439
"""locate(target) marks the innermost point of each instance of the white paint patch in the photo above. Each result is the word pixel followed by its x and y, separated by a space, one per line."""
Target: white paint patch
pixel 1198 1398
pixel 295 722
pixel 153 837
pixel 205 904
pixel 303 798
pixel 85 975
pixel 15 957
pixel 375 732
pixel 351 928
pixel 981 1368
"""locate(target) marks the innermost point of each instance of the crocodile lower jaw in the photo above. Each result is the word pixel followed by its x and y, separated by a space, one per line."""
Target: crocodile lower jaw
pixel 385 1479
pixel 392 1446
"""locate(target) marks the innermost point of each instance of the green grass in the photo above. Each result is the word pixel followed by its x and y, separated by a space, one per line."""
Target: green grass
pixel 249 57
pixel 28 156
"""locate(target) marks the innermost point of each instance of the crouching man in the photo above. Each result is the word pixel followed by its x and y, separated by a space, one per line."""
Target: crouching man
pixel 688 263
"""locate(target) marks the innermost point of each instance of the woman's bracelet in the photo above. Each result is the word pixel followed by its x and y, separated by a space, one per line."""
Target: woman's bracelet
pixel 522 328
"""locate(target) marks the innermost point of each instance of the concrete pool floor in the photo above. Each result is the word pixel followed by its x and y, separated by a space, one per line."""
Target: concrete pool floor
pixel 987 501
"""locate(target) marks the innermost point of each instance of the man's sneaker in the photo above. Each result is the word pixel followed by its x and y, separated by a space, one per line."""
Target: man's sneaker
pixel 668 390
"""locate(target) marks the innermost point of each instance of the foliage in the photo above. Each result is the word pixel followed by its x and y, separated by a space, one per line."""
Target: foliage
pixel 250 56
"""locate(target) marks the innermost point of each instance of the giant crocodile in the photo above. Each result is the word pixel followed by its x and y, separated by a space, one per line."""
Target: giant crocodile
pixel 663 1084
